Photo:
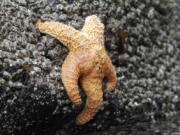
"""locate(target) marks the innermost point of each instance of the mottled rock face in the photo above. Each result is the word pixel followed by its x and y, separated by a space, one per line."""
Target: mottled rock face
pixel 32 97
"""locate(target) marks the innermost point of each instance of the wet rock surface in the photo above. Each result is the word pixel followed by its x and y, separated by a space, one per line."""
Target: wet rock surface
pixel 32 97
pixel 169 126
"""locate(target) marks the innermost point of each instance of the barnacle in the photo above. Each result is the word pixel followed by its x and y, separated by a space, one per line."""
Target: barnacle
pixel 87 62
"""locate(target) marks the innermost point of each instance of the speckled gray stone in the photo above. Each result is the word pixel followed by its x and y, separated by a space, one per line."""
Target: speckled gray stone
pixel 32 97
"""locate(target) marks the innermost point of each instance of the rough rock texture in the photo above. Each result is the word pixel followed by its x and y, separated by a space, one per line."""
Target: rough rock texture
pixel 32 97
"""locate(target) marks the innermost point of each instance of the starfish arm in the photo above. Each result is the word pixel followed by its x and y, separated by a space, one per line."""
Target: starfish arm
pixel 70 75
pixel 94 29
pixel 69 36
pixel 111 78
pixel 93 91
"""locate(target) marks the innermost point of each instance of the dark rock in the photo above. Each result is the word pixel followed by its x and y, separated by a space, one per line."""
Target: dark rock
pixel 32 97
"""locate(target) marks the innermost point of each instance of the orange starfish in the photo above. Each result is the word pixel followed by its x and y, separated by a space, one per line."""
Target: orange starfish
pixel 87 62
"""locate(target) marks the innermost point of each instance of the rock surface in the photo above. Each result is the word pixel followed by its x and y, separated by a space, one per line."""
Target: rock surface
pixel 32 96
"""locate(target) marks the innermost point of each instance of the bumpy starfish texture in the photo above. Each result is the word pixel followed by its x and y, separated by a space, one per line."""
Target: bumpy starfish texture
pixel 87 62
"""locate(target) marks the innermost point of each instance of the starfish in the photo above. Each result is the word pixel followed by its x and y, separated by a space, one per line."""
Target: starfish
pixel 87 62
